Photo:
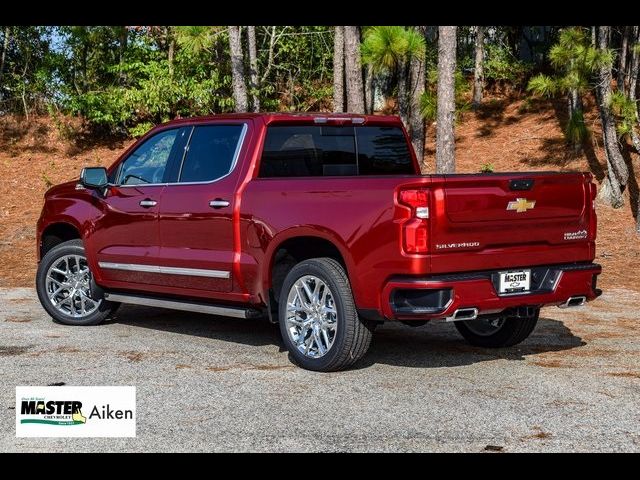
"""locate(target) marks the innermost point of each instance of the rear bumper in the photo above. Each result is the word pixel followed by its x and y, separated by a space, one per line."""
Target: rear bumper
pixel 410 298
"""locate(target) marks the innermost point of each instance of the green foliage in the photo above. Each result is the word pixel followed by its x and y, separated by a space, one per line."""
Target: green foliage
pixel 140 129
pixel 575 60
pixel 196 38
pixel 626 112
pixel 47 181
pixel 576 130
pixel 301 77
pixel 543 85
pixel 501 66
pixel 487 168
pixel 386 47
pixel 429 105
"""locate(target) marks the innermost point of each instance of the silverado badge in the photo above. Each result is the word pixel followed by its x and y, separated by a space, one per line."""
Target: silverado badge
pixel 521 205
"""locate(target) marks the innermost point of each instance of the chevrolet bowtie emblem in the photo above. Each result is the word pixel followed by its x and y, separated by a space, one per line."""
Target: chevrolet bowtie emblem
pixel 521 205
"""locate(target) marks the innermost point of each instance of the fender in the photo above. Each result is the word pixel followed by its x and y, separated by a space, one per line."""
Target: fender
pixel 79 213
pixel 316 231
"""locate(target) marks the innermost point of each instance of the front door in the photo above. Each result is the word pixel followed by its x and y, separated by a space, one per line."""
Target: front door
pixel 196 212
pixel 126 239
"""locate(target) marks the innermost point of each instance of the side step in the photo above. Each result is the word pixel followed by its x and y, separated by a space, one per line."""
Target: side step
pixel 189 306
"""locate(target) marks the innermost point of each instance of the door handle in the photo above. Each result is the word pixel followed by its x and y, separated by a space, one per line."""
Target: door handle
pixel 148 203
pixel 218 203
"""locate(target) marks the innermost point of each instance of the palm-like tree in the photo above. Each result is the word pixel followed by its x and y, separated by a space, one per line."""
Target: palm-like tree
pixel 390 49
pixel 575 61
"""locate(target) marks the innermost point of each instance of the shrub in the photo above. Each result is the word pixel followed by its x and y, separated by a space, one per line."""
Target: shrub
pixel 501 66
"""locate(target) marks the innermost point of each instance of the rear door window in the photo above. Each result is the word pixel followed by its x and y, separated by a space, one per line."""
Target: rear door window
pixel 211 153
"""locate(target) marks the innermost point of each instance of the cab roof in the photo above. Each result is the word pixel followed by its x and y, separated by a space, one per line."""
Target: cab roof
pixel 296 117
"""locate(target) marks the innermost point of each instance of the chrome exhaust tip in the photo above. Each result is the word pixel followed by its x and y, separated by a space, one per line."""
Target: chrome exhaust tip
pixel 463 314
pixel 574 302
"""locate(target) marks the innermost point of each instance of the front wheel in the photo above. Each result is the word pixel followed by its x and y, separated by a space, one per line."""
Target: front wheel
pixel 63 283
pixel 497 332
pixel 318 319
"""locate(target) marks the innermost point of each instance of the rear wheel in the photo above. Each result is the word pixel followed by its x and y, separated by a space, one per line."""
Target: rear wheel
pixel 497 332
pixel 63 284
pixel 318 319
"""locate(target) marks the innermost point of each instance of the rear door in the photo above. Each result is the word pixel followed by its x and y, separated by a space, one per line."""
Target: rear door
pixel 510 220
pixel 196 210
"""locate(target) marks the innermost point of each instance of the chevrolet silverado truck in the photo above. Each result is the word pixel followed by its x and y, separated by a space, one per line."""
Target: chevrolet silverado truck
pixel 322 223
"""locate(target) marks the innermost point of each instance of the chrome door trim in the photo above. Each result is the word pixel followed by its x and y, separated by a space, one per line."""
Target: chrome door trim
pixel 192 272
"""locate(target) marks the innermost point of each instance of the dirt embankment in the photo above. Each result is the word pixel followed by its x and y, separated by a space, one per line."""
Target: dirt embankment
pixel 508 134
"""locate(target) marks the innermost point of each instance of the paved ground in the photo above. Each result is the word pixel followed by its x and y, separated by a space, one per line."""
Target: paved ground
pixel 216 384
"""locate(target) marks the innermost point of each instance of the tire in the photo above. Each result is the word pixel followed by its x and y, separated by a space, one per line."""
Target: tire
pixel 512 331
pixel 350 337
pixel 97 310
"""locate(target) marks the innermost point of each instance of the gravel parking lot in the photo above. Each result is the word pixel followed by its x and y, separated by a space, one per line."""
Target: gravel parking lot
pixel 217 384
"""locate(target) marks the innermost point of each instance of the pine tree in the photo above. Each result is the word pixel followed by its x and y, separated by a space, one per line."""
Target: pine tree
pixel 446 109
pixel 338 69
pixel 238 77
pixel 478 71
pixel 353 70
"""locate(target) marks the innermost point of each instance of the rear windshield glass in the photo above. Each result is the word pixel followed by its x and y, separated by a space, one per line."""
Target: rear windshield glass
pixel 315 151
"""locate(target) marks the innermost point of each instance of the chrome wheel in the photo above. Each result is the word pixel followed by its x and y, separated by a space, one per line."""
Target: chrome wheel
pixel 485 327
pixel 68 286
pixel 311 316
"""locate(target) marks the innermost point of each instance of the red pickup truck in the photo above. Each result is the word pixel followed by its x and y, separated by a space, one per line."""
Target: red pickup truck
pixel 322 223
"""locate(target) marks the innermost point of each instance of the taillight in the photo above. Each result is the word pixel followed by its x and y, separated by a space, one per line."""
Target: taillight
pixel 593 220
pixel 417 200
pixel 415 229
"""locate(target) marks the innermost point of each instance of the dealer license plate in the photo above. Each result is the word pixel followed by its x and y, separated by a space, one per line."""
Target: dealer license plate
pixel 516 281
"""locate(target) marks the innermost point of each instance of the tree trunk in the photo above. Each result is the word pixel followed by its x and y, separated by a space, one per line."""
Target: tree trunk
pixel 622 64
pixel 416 120
pixel 446 107
pixel 171 50
pixel 123 40
pixel 575 108
pixel 5 49
pixel 355 89
pixel 478 72
pixel 403 94
pixel 635 67
pixel 617 173
pixel 368 90
pixel 338 69
pixel 253 67
pixel 237 70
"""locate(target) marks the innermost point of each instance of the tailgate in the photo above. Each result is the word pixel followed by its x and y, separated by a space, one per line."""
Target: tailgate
pixel 510 220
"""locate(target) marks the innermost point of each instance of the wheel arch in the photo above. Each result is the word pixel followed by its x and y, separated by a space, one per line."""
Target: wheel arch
pixel 296 245
pixel 55 233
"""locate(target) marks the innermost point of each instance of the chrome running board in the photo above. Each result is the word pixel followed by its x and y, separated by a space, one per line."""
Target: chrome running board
pixel 188 306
